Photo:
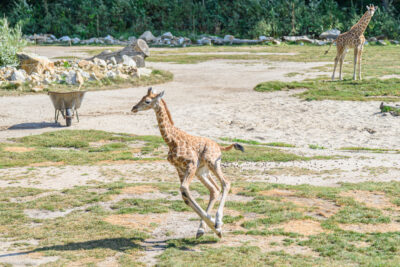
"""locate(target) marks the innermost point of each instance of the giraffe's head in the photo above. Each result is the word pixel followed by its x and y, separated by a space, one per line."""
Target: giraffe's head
pixel 371 9
pixel 150 100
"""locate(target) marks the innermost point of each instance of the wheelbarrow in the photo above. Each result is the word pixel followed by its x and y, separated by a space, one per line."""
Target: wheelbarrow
pixel 66 103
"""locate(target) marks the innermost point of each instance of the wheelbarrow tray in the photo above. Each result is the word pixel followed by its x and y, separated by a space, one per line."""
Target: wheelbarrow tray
pixel 66 100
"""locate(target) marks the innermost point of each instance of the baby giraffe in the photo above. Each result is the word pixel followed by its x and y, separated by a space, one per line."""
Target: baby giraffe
pixel 192 156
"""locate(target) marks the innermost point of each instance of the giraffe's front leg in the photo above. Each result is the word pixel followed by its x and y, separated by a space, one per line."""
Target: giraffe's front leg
pixel 355 63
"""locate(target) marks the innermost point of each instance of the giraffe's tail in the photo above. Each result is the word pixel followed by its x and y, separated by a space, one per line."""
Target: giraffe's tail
pixel 326 52
pixel 236 146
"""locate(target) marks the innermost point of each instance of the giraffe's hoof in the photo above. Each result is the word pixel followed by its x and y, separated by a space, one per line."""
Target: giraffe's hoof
pixel 200 233
pixel 219 232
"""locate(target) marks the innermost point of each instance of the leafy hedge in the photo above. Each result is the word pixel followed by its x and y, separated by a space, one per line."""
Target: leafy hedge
pixel 242 18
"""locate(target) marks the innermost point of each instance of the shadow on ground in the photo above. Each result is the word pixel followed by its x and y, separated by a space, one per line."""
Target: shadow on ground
pixel 34 125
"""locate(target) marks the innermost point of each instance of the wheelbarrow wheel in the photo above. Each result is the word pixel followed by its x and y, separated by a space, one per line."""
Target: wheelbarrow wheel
pixel 68 116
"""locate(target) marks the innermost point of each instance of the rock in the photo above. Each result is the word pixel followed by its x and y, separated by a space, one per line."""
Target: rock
pixel 83 64
pixel 147 36
pixel 228 38
pixel 100 62
pixel 319 42
pixel 128 61
pixel 46 81
pixel 395 42
pixel 167 35
pixel 93 77
pixel 34 63
pixel 139 60
pixel 79 79
pixel 330 34
pixel 144 72
pixel 265 38
pixel 109 39
pixel 65 39
pixel 111 74
pixel 276 42
pixel 132 39
pixel 113 61
pixel 76 40
pixel 204 41
pixel 70 78
pixel 85 75
pixel 140 48
pixel 17 76
pixel 372 39
pixel 37 89
pixel 381 42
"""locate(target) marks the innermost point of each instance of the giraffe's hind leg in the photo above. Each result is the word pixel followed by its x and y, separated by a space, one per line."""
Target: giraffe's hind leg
pixel 339 52
pixel 215 167
pixel 187 174
pixel 204 176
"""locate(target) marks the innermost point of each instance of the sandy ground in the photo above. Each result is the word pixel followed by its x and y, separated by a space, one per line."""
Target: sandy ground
pixel 214 99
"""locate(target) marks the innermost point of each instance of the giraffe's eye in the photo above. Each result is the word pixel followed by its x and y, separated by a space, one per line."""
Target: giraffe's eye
pixel 147 101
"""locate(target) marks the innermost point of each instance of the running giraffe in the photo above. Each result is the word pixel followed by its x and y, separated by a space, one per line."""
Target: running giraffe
pixel 192 156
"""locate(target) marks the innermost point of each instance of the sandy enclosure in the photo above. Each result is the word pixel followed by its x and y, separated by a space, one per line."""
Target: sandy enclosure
pixel 214 99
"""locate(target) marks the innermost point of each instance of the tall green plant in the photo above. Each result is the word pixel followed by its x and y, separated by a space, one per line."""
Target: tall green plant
pixel 11 42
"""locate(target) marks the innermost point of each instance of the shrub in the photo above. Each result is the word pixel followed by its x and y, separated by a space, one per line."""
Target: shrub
pixel 11 42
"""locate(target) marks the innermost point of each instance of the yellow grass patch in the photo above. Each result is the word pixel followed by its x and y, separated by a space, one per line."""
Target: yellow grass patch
pixel 376 200
pixel 18 149
pixel 303 227
pixel 47 163
pixel 372 228
pixel 320 207
pixel 136 221
pixel 140 189
pixel 276 193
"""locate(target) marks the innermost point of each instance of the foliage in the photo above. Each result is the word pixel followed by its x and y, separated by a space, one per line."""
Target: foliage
pixel 244 18
pixel 11 42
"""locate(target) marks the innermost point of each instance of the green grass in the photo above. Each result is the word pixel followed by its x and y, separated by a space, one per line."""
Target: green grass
pixel 313 146
pixel 318 89
pixel 73 147
pixel 260 153
pixel 253 142
pixel 369 149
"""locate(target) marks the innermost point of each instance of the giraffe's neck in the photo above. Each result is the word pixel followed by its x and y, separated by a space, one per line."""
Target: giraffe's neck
pixel 165 124
pixel 362 24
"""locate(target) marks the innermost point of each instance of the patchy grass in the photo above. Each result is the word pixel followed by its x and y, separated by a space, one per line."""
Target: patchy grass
pixel 156 77
pixel 369 149
pixel 78 147
pixel 377 60
pixel 260 153
pixel 253 142
pixel 313 146
pixel 86 237
pixel 318 89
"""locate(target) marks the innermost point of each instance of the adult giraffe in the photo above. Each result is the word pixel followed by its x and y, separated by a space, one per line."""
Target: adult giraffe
pixel 354 38
pixel 192 156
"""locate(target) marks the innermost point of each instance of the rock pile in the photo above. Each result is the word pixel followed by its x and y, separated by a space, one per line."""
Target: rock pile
pixel 51 39
pixel 39 72
pixel 168 39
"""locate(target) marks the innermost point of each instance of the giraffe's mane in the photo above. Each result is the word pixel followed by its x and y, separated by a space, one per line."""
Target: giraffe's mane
pixel 355 25
pixel 167 110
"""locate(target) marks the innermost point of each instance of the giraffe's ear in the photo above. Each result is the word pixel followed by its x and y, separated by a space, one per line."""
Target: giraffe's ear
pixel 151 91
pixel 160 95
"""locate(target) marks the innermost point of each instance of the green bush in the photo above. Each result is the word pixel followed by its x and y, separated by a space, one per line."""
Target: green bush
pixel 241 18
pixel 11 42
